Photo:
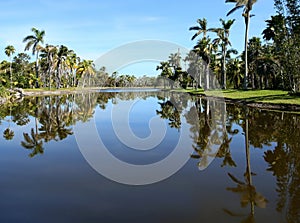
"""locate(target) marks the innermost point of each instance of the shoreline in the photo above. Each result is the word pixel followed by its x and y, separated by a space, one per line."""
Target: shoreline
pixel 32 93
pixel 259 105
pixel 244 101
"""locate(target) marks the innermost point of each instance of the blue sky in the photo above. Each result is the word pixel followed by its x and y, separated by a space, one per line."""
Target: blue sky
pixel 94 27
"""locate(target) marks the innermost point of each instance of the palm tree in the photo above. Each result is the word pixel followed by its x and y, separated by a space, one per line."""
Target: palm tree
pixel 254 53
pixel 174 60
pixel 62 54
pixel 195 68
pixel 72 61
pixel 201 29
pixel 8 134
pixel 223 41
pixel 245 188
pixel 204 49
pixel 9 51
pixel 33 41
pixel 247 5
pixel 166 71
pixel 85 68
pixel 234 72
pixel 33 142
pixel 49 54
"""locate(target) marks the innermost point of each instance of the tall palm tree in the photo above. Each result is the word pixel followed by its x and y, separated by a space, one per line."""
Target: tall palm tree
pixel 49 54
pixel 201 29
pixel 9 51
pixel 223 41
pixel 247 5
pixel 72 61
pixel 62 54
pixel 33 41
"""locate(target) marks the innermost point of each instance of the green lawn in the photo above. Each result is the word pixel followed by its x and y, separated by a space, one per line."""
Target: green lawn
pixel 47 89
pixel 266 96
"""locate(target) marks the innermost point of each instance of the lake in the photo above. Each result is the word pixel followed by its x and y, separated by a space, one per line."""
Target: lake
pixel 147 156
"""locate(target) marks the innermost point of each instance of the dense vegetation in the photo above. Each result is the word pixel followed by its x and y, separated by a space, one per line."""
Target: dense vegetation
pixel 268 62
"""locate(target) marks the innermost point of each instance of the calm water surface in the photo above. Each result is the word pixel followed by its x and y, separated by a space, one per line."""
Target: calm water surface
pixel 45 178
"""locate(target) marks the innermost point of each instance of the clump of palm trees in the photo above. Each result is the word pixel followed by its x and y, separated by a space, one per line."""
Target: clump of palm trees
pixel 208 56
pixel 54 66
pixel 58 67
pixel 273 64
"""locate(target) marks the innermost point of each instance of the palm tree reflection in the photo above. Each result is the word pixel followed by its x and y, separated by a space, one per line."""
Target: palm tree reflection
pixel 9 134
pixel 33 142
pixel 246 189
pixel 213 134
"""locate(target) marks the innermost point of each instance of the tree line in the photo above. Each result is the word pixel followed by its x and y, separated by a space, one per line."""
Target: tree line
pixel 58 67
pixel 268 62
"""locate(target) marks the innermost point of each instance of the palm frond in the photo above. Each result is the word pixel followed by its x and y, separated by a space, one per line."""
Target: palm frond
pixel 234 179
pixel 27 138
pixel 234 9
pixel 194 28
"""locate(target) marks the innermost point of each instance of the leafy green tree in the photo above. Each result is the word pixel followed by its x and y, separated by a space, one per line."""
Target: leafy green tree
pixel 283 30
pixel 22 70
pixel 33 41
pixel 247 5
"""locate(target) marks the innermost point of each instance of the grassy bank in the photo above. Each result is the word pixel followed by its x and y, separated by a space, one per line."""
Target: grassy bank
pixel 54 91
pixel 252 96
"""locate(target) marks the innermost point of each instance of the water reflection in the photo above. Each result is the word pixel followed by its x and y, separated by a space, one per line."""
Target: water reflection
pixel 223 130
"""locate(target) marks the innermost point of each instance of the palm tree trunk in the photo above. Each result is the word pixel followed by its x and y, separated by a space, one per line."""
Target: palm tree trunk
pixel 37 70
pixel 224 69
pixel 207 76
pixel 247 21
pixel 10 73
